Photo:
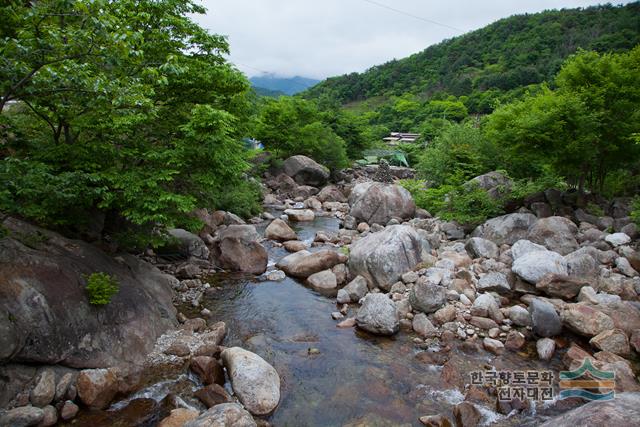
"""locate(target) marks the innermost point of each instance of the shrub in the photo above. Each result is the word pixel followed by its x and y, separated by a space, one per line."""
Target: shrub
pixel 101 287
pixel 635 210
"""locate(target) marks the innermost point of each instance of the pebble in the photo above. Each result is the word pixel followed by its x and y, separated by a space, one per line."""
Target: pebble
pixel 336 315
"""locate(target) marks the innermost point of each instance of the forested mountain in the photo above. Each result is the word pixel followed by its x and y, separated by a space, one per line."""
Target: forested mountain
pixel 286 85
pixel 491 62
pixel 268 92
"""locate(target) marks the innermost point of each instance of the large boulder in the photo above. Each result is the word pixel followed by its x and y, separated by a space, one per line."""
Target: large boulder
pixel 506 229
pixel 23 416
pixel 188 244
pixel 305 171
pixel 237 248
pixel 478 247
pixel 303 264
pixel 544 318
pixel 623 411
pixel 255 382
pixel 382 258
pixel 45 315
pixel 556 233
pixel 279 230
pixel 378 315
pixel 331 193
pixel 427 297
pixel 224 415
pixel 496 184
pixel 533 266
pixel 586 320
pixel 377 203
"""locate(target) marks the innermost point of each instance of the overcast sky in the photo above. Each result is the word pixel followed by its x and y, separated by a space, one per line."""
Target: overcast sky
pixel 323 38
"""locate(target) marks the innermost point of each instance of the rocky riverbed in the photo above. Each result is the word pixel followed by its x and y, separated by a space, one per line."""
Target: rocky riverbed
pixel 345 305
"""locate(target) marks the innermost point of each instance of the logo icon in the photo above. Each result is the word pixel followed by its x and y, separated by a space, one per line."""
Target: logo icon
pixel 588 382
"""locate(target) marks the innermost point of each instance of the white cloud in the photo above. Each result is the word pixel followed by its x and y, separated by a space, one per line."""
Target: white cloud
pixel 320 39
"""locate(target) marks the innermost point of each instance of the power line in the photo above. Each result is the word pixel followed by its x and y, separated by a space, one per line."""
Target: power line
pixel 402 12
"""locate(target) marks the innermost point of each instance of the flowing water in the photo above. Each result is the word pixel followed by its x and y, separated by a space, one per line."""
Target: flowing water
pixel 349 378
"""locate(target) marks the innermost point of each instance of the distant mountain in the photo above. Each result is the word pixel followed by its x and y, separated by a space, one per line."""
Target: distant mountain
pixel 501 58
pixel 268 92
pixel 286 85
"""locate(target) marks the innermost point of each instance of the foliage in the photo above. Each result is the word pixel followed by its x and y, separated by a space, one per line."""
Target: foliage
pixel 466 206
pixel 635 210
pixel 486 64
pixel 292 126
pixel 101 288
pixel 125 107
pixel 583 129
pixel 525 187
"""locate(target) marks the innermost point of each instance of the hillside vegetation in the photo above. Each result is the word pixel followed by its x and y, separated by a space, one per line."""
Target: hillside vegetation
pixel 494 62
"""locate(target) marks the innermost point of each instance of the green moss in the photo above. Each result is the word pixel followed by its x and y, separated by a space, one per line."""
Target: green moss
pixel 101 288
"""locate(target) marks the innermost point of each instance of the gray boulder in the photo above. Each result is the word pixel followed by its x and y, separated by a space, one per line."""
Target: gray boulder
pixel 279 230
pixel 255 382
pixel 556 233
pixel 378 315
pixel 22 417
pixel 331 193
pixel 506 229
pixel 378 203
pixel 303 264
pixel 617 239
pixel 323 281
pixel 224 415
pixel 544 318
pixel 427 297
pixel 496 184
pixel 535 265
pixel 478 247
pixel 189 244
pixel 494 282
pixel 523 247
pixel 237 248
pixel 356 289
pixel 623 411
pixel 382 258
pixel 305 171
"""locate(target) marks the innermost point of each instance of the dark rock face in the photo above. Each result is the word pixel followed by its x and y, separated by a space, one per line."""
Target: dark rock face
pixel 45 315
pixel 622 411
pixel 305 171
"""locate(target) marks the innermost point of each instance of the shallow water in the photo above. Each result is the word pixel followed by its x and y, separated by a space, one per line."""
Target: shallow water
pixel 356 379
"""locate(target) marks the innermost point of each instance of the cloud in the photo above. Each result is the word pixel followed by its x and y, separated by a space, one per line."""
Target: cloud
pixel 325 38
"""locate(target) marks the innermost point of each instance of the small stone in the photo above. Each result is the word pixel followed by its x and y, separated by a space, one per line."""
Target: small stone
pixel 50 416
pixel 435 421
pixel 212 395
pixel 445 314
pixel 545 347
pixel 515 341
pixel 23 416
pixel 276 276
pixel 45 389
pixel 494 333
pixel 423 326
pixel 466 415
pixel 493 346
pixel 544 318
pixel 207 369
pixel 179 417
pixel 179 349
pixel 347 323
pixel 617 239
pixel 97 387
pixel 410 277
pixel 336 315
pixel 520 316
pixel 69 410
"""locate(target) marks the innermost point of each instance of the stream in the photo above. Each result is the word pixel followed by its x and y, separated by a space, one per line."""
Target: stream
pixel 350 378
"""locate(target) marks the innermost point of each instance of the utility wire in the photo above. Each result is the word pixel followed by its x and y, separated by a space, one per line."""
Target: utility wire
pixel 402 12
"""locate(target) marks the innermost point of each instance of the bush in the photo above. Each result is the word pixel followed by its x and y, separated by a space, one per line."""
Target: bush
pixel 635 210
pixel 101 287
pixel 454 203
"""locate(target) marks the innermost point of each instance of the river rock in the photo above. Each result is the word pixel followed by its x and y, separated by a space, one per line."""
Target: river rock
pixel 623 411
pixel 532 266
pixel 45 389
pixel 224 415
pixel 207 369
pixel 378 315
pixel 295 246
pixel 44 290
pixel 50 417
pixel 493 346
pixel 300 215
pixel 495 183
pixel 561 286
pixel 331 193
pixel 545 347
pixel 382 258
pixel 423 326
pixel 23 416
pixel 356 289
pixel 515 341
pixel 466 415
pixel 494 282
pixel 280 230
pixel 585 319
pixel 212 395
pixel 323 280
pixel 544 318
pixel 189 244
pixel 255 382
pixel 427 297
pixel 506 229
pixel 179 417
pixel 305 171
pixel 378 203
pixel 613 340
pixel 69 410
pixel 617 239
pixel 478 247
pixel 519 316
pixel 97 387
pixel 523 247
pixel 556 233
pixel 485 305
pixel 435 421
pixel 583 262
pixel 624 267
pixel 303 264
pixel 237 248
